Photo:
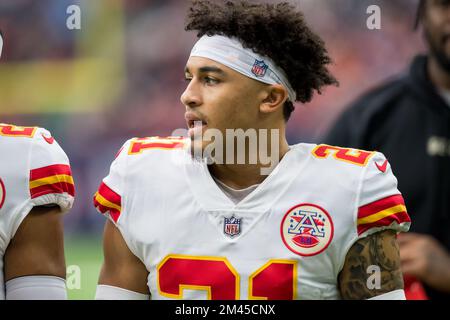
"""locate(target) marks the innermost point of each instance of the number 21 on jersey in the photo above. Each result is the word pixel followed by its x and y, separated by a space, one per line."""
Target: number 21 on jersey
pixel 275 280
pixel 353 156
pixel 8 130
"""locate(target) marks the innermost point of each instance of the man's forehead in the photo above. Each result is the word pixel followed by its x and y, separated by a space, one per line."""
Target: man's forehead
pixel 199 64
pixel 205 65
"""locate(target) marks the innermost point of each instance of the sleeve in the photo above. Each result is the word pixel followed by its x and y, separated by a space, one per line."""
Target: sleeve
pixel 112 198
pixel 50 179
pixel 108 198
pixel 381 205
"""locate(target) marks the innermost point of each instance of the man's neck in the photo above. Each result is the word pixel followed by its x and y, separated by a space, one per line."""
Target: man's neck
pixel 241 176
pixel 438 76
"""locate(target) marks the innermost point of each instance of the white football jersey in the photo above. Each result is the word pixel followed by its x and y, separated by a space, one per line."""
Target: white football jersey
pixel 287 239
pixel 34 171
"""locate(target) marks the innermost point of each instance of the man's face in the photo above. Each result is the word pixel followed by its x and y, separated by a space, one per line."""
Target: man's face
pixel 220 97
pixel 436 22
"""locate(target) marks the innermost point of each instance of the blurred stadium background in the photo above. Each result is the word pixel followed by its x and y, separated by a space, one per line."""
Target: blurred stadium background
pixel 121 76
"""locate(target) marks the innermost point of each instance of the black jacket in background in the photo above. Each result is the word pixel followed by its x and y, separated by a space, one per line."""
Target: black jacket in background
pixel 408 121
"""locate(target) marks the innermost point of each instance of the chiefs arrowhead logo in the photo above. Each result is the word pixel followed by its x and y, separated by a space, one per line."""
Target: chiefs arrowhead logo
pixel 383 167
pixel 307 230
pixel 49 140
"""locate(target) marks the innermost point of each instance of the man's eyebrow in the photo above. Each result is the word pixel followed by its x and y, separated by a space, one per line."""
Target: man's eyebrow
pixel 207 69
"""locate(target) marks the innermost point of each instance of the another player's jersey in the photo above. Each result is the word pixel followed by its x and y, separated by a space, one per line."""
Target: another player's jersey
pixel 288 239
pixel 34 171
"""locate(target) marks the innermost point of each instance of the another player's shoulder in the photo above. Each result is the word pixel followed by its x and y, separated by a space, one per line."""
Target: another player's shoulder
pixel 39 162
pixel 13 135
pixel 16 137
pixel 34 143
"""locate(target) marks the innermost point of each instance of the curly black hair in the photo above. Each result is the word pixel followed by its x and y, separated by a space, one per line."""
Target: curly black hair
pixel 277 31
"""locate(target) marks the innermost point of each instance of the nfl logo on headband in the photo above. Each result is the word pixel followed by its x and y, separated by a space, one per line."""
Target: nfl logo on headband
pixel 259 68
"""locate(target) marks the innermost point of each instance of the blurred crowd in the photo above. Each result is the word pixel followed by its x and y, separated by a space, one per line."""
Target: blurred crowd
pixel 143 47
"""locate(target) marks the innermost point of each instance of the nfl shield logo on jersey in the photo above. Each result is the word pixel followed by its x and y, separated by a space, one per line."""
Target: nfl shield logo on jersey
pixel 232 226
pixel 307 230
pixel 260 68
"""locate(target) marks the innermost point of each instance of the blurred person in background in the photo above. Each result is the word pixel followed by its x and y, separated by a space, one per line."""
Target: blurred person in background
pixel 36 187
pixel 408 119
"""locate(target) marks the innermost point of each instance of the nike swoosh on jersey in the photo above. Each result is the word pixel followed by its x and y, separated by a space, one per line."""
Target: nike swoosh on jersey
pixel 49 140
pixel 383 167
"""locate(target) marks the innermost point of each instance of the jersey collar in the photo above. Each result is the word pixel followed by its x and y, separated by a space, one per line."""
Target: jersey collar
pixel 212 198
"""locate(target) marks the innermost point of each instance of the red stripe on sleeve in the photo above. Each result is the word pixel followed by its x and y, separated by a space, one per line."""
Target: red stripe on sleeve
pixel 109 194
pixel 380 205
pixel 60 187
pixel 49 171
pixel 400 217
pixel 102 209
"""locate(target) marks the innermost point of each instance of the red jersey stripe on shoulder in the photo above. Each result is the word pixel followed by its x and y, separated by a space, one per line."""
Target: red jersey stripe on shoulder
pixel 107 200
pixel 109 194
pixel 399 218
pixel 54 188
pixel 104 206
pixel 44 172
pixel 380 205
pixel 53 179
pixel 114 213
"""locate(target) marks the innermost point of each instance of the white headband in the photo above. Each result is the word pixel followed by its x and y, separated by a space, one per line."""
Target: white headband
pixel 232 54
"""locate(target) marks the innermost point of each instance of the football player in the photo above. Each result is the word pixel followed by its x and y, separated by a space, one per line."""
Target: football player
pixel 322 225
pixel 36 187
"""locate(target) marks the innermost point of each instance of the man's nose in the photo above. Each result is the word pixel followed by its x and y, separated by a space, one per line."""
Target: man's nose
pixel 191 96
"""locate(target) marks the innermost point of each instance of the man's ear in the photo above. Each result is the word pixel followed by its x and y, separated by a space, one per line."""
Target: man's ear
pixel 275 97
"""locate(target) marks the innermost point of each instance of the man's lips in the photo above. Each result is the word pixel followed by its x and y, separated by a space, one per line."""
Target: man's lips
pixel 192 120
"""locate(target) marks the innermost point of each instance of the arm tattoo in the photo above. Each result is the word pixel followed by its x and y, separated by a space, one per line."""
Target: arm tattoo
pixel 380 250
